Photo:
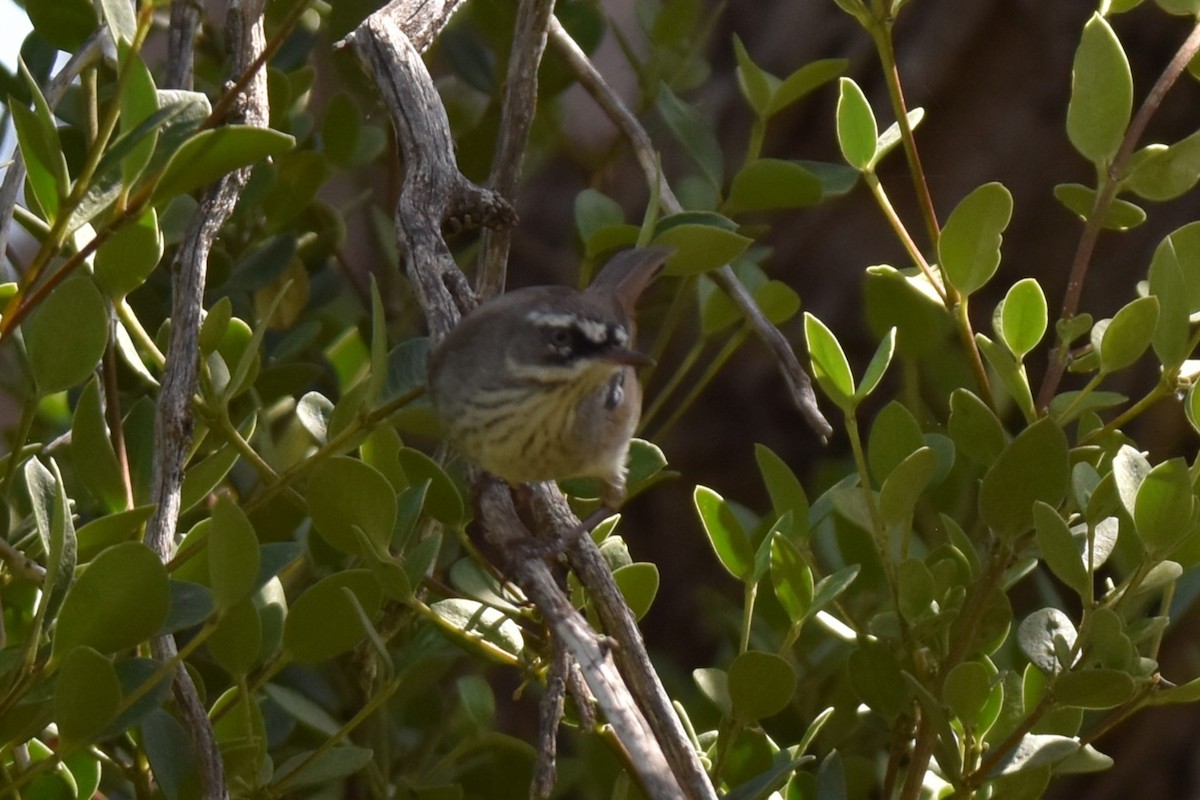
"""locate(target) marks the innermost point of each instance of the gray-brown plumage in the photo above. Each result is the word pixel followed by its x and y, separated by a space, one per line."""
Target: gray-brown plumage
pixel 539 384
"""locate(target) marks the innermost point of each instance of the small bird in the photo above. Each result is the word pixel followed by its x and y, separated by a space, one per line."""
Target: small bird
pixel 539 383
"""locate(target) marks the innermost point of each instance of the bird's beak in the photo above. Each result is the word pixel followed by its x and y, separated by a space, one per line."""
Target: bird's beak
pixel 623 355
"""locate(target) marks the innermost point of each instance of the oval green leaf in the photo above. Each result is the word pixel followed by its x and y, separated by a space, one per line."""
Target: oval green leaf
pixel 66 335
pixel 233 555
pixel 1128 335
pixel 323 621
pixel 1023 317
pixel 969 247
pixel 1101 93
pixel 344 492
pixel 760 685
pixel 857 131
pixel 830 367
pixel 118 601
pixel 1032 467
pixel 725 533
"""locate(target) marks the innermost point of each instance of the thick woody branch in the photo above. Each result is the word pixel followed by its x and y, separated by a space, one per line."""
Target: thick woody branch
pixel 533 576
pixel 798 383
pixel 588 563
pixel 518 107
pixel 434 193
pixel 431 183
pixel 173 420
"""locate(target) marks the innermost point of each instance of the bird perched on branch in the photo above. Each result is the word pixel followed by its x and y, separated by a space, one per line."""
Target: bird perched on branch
pixel 540 383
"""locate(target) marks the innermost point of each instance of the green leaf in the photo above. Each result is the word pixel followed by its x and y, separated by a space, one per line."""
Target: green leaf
pixel 203 478
pixel 1168 283
pixel 830 367
pixel 1167 172
pixel 694 132
pixel 92 451
pixel 126 259
pixel 41 147
pixel 878 679
pixel 791 578
pixel 878 365
pixel 1163 509
pixel 211 154
pixel 323 622
pixel 1045 636
pixel 238 640
pixel 595 210
pixel 1101 93
pixel 638 584
pixel 1010 372
pixel 191 605
pixel 784 488
pixel 168 750
pixel 969 247
pixel 442 500
pixel 698 247
pixel 1120 215
pixel 891 135
pixel 725 533
pixel 768 184
pixel 756 84
pixel 966 691
pixel 104 532
pixel 66 335
pixel 482 623
pixel 856 129
pixel 1058 548
pixel 233 557
pixel 916 590
pixel 1032 467
pixel 1128 334
pixel 976 431
pixel 344 492
pixel 1094 688
pixel 313 768
pixel 86 695
pixel 139 103
pixel 760 685
pixel 1022 317
pixel 831 587
pixel 66 24
pixel 804 80
pixel 119 600
pixel 895 435
pixel 903 487
pixel 120 18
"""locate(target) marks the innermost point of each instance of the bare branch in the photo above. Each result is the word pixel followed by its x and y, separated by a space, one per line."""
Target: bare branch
pixel 518 107
pixel 798 383
pixel 554 515
pixel 173 420
pixel 645 757
pixel 434 191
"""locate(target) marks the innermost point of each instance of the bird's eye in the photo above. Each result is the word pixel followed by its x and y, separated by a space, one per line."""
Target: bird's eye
pixel 559 338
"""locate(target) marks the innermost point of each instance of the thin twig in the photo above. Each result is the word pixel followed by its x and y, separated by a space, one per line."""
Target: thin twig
pixel 517 110
pixel 798 383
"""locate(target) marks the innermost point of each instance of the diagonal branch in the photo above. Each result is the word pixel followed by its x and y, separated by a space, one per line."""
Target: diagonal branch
pixel 799 385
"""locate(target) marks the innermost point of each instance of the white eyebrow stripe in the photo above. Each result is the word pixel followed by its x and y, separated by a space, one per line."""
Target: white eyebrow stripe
pixel 594 330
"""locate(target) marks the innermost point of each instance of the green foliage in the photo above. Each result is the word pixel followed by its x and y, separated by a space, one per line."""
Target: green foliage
pixel 325 595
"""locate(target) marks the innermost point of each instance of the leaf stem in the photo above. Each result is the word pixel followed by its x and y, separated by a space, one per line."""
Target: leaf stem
pixel 1110 183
